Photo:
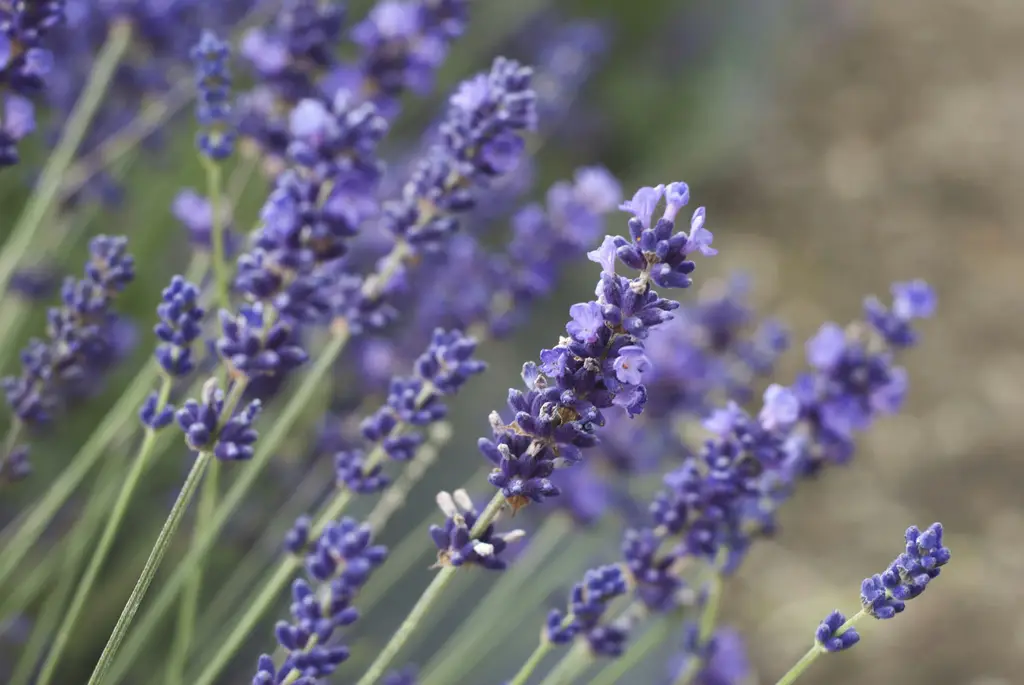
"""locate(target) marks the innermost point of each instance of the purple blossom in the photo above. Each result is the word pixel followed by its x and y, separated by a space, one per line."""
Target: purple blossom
pixel 828 637
pixel 456 546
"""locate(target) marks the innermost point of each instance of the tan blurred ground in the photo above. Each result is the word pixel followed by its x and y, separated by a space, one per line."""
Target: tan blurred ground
pixel 895 149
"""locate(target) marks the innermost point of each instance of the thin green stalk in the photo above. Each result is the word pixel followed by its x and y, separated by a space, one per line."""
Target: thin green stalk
pixel 616 669
pixel 566 670
pixel 544 648
pixel 22 533
pixel 708 622
pixel 190 596
pixel 518 592
pixel 68 564
pixel 48 187
pixel 426 601
pixel 221 268
pixel 814 652
pixel 161 545
pixel 99 555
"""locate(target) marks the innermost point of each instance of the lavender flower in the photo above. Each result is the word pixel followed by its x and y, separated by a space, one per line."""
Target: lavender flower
pixel 402 44
pixel 405 676
pixel 206 429
pixel 84 337
pixel 413 402
pixel 213 108
pixel 252 345
pixel 338 564
pixel 588 603
pixel 480 140
pixel 180 325
pixel 828 637
pixel 885 595
pixel 24 63
pixel 719 501
pixel 455 545
pixel 194 212
pixel 600 364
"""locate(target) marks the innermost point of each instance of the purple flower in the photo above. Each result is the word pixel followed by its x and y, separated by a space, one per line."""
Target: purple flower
pixel 213 104
pixel 830 639
pixel 631 364
pixel 605 255
pixel 206 427
pixel 456 546
pixel 587 322
pixel 180 325
pixel 643 203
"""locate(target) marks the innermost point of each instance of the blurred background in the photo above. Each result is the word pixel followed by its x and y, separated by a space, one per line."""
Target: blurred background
pixel 838 146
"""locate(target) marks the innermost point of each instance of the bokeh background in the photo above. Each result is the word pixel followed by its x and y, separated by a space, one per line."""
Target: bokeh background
pixel 838 146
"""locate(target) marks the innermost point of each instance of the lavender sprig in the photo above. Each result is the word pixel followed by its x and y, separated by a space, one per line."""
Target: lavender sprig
pixel 598 367
pixel 882 595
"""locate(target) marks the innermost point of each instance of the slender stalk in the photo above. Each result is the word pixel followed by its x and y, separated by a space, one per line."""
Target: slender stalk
pixel 566 670
pixel 99 555
pixel 814 652
pixel 518 591
pixel 425 602
pixel 190 596
pixel 221 269
pixel 544 648
pixel 163 541
pixel 119 422
pixel 708 622
pixel 48 188
pixel 616 669
pixel 72 551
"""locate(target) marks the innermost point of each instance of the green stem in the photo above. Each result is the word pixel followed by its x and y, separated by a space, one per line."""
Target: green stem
pixel 616 669
pixel 20 536
pixel 190 596
pixel 99 555
pixel 473 639
pixel 426 601
pixel 48 187
pixel 814 652
pixel 566 670
pixel 70 555
pixel 162 543
pixel 221 269
pixel 521 677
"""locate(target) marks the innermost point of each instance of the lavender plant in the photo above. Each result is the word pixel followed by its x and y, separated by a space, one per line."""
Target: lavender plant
pixel 349 313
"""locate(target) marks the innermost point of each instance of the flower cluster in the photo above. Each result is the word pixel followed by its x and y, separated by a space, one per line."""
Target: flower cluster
pixel 885 595
pixel 289 57
pixel 718 501
pixel 213 108
pixel 480 140
pixel 24 62
pixel 207 427
pixel 84 337
pixel 588 603
pixel 457 546
pixel 413 402
pixel 316 206
pixel 602 361
pixel 338 564
pixel 401 45
pixel 180 325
